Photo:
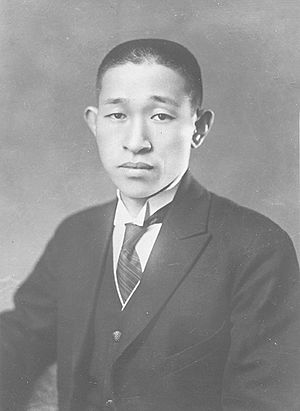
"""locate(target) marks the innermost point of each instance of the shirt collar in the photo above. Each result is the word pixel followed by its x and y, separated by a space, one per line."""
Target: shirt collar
pixel 159 200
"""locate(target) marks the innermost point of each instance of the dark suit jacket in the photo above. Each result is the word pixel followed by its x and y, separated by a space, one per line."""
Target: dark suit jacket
pixel 212 326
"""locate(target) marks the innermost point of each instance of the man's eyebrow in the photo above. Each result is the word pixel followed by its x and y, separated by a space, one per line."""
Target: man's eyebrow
pixel 117 100
pixel 159 99
pixel 165 100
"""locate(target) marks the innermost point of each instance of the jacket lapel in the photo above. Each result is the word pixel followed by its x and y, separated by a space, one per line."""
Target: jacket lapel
pixel 182 238
pixel 88 278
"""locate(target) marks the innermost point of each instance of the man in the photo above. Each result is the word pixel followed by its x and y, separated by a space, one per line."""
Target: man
pixel 170 297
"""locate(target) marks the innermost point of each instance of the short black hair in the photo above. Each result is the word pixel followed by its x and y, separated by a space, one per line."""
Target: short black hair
pixel 165 52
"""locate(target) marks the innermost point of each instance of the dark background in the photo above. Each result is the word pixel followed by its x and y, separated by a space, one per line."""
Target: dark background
pixel 50 50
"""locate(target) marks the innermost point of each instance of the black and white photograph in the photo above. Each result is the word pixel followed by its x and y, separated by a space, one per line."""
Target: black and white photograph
pixel 149 205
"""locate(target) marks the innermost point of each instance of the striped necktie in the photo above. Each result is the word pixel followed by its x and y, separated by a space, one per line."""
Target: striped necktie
pixel 129 269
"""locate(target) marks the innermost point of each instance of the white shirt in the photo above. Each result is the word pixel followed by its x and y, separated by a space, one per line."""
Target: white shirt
pixel 146 243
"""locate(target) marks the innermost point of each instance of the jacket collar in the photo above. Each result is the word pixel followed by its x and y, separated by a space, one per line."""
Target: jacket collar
pixel 190 210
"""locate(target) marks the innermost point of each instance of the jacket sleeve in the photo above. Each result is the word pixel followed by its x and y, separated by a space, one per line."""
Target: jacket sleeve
pixel 28 333
pixel 262 372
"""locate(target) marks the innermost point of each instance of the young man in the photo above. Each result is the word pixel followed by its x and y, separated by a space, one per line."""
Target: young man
pixel 170 297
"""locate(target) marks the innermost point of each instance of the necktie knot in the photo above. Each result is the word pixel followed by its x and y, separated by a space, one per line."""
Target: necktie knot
pixel 129 270
pixel 134 232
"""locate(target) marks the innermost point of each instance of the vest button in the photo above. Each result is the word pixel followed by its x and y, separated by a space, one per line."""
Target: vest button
pixel 109 403
pixel 117 335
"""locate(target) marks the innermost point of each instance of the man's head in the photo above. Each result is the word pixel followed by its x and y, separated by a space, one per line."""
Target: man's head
pixel 149 114
pixel 157 51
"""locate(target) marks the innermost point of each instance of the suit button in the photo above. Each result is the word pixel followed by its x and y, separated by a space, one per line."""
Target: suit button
pixel 117 336
pixel 109 403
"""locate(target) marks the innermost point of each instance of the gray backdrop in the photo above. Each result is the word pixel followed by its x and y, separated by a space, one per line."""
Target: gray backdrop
pixel 50 50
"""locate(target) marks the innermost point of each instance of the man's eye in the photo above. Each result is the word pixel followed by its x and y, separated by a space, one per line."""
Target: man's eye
pixel 116 116
pixel 162 117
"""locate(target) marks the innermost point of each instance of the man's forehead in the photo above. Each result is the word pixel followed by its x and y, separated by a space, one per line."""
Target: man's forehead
pixel 152 82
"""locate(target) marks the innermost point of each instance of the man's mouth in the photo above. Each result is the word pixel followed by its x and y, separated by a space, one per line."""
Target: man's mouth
pixel 137 166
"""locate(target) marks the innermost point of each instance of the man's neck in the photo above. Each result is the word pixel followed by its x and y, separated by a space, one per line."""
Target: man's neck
pixel 133 205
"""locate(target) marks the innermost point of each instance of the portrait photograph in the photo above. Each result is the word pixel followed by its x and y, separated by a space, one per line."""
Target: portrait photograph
pixel 149 205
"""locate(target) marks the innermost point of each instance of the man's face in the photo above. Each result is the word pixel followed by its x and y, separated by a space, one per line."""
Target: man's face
pixel 144 127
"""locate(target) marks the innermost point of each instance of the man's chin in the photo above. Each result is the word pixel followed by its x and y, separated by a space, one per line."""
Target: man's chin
pixel 133 191
pixel 140 193
pixel 136 195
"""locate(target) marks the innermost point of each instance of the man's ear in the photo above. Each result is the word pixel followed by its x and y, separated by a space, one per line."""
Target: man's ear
pixel 205 119
pixel 90 116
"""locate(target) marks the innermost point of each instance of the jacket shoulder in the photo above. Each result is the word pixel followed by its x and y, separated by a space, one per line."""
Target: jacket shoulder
pixel 243 226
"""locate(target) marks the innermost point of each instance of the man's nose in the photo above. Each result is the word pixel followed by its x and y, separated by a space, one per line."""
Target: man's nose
pixel 137 137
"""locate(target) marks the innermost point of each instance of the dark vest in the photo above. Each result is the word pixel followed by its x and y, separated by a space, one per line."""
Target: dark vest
pixel 107 329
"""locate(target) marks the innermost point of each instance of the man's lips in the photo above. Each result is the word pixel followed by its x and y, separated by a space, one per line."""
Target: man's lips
pixel 136 166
